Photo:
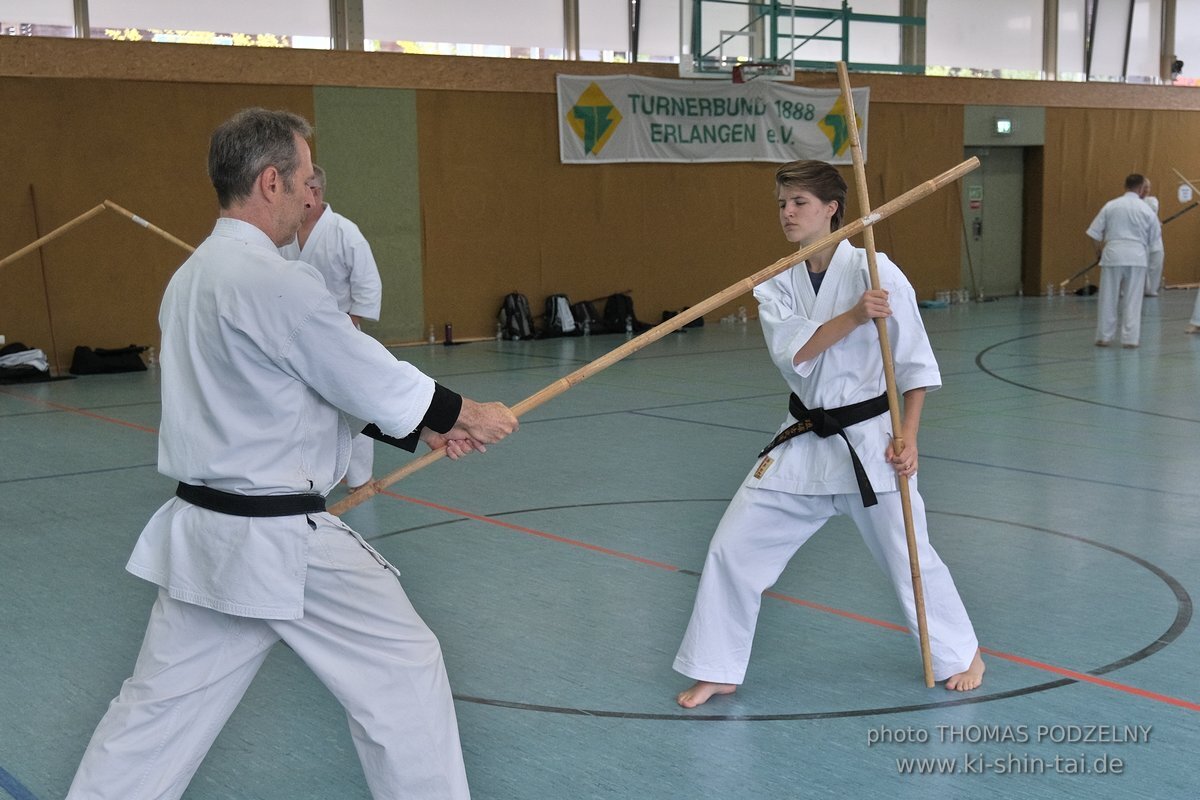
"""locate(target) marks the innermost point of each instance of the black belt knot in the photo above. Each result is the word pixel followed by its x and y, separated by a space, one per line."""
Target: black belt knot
pixel 833 422
pixel 243 505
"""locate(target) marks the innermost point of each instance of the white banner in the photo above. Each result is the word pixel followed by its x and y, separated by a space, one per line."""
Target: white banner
pixel 628 118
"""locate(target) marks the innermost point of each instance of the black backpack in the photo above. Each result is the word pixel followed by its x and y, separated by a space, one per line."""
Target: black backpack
pixel 618 310
pixel 516 321
pixel 559 319
pixel 586 318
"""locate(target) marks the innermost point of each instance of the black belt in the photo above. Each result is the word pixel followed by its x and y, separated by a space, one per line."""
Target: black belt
pixel 243 505
pixel 825 423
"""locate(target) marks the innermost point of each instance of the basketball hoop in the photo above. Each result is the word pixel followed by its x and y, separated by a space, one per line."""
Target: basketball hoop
pixel 746 71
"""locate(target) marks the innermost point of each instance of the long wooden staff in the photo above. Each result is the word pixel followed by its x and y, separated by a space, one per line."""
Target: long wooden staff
pixel 37 229
pixel 109 204
pixel 84 217
pixel 678 321
pixel 889 375
pixel 54 234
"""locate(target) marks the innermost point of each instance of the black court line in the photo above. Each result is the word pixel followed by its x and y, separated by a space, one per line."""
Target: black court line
pixel 81 473
pixel 1183 617
pixel 979 363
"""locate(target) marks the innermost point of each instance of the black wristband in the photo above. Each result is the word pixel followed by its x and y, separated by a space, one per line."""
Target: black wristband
pixel 408 443
pixel 443 410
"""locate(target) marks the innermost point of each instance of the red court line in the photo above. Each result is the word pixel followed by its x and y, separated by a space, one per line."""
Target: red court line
pixel 891 626
pixel 79 411
pixel 533 532
pixel 1039 665
pixel 1027 662
pixel 1083 676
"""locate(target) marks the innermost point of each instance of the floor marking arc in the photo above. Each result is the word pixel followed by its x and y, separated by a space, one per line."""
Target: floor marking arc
pixel 1181 622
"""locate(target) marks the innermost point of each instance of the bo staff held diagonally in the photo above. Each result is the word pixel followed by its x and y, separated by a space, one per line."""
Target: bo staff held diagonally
pixel 678 321
pixel 889 374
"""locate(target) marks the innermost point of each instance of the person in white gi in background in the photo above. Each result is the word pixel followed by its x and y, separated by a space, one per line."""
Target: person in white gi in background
pixel 1124 233
pixel 339 251
pixel 1154 262
pixel 260 373
pixel 1194 323
pixel 817 321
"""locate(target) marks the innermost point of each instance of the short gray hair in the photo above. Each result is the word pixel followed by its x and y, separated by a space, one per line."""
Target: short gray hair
pixel 249 142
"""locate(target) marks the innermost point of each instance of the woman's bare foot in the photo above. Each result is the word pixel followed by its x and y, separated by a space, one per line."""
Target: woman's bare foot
pixel 699 693
pixel 968 680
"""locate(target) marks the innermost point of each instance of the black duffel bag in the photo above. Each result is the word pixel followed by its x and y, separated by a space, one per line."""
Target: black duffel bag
pixel 99 361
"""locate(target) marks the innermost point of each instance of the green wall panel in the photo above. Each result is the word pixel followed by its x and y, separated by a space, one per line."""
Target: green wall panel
pixel 366 139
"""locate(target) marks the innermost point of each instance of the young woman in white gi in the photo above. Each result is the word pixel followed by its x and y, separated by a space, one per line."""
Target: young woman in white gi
pixel 817 320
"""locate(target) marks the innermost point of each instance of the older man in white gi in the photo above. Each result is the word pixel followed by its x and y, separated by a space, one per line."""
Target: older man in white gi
pixel 260 372
pixel 1125 232
pixel 336 247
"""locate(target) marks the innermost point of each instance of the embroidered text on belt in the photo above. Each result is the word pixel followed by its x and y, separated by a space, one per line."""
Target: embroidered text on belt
pixel 825 423
pixel 243 505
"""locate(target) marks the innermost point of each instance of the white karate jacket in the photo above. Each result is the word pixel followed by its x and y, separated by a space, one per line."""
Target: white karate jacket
pixel 339 251
pixel 848 372
pixel 259 370
pixel 1129 229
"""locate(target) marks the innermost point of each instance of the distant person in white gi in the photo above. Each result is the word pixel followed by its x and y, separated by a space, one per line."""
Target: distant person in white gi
pixel 817 320
pixel 1194 323
pixel 1154 264
pixel 1124 232
pixel 339 251
pixel 262 374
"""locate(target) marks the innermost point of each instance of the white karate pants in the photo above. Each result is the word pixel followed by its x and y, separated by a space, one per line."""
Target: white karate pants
pixel 1123 286
pixel 1154 273
pixel 359 635
pixel 362 460
pixel 761 531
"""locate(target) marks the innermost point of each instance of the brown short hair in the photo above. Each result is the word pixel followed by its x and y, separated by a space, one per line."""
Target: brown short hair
pixel 818 177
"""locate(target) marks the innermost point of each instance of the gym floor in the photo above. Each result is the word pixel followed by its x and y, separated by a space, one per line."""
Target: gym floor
pixel 559 568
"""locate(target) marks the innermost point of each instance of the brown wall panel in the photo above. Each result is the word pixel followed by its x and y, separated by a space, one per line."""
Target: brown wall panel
pixel 78 142
pixel 500 213
pixel 1088 153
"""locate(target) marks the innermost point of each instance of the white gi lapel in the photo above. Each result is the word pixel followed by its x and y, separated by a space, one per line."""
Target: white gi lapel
pixel 838 278
pixel 802 289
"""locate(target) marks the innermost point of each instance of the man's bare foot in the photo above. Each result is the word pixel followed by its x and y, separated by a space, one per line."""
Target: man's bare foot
pixel 699 693
pixel 968 680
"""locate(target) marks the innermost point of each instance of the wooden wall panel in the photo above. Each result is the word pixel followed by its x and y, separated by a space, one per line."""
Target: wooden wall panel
pixel 498 212
pixel 1088 153
pixel 78 142
pixel 501 214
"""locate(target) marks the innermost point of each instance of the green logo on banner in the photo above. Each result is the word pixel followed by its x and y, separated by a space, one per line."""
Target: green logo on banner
pixel 835 127
pixel 593 118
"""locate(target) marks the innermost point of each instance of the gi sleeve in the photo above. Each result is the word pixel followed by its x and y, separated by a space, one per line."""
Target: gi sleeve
pixel 912 355
pixel 785 329
pixel 442 414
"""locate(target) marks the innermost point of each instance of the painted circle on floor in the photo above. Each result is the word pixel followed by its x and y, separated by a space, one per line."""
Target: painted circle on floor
pixel 1182 618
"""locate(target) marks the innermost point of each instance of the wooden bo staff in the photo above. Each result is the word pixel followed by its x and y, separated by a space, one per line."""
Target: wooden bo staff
pixel 109 204
pixel 84 217
pixel 54 234
pixel 889 375
pixel 678 321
